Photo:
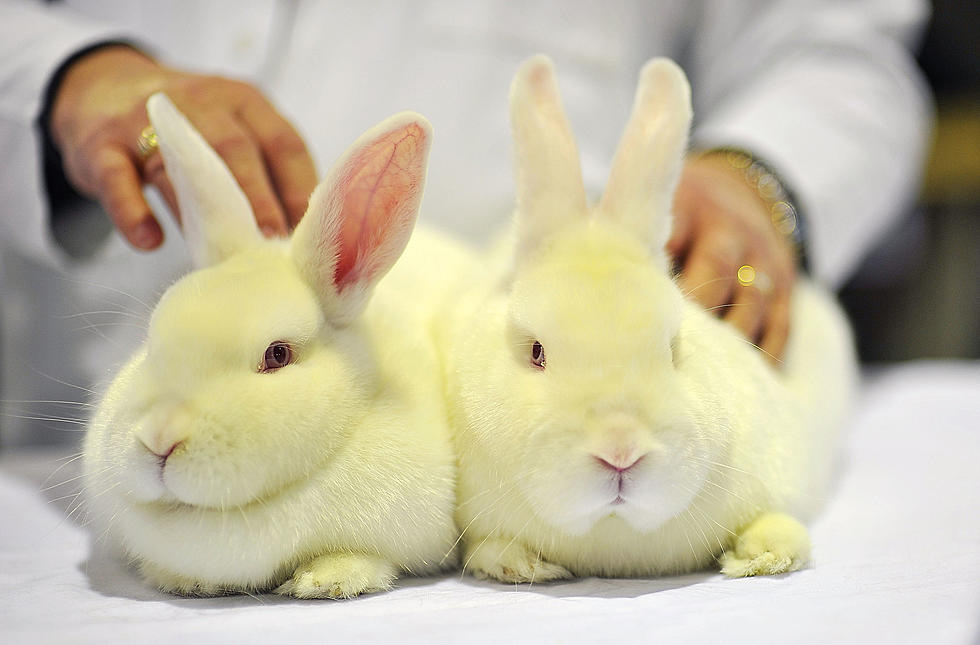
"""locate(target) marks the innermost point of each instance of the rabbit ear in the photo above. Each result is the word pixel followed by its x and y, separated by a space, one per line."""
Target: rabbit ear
pixel 216 217
pixel 361 215
pixel 650 154
pixel 547 172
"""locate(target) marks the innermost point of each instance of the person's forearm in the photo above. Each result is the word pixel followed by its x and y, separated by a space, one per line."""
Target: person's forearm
pixel 35 39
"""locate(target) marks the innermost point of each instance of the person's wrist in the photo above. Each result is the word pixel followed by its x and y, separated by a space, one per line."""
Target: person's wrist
pixel 769 189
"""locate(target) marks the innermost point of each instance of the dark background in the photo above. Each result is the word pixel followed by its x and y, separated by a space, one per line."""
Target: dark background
pixel 918 296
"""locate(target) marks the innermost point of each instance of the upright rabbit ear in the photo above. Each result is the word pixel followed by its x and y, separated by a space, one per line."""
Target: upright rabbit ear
pixel 650 154
pixel 361 215
pixel 547 172
pixel 216 217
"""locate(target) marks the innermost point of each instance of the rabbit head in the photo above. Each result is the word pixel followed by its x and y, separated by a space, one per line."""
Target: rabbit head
pixel 578 392
pixel 254 368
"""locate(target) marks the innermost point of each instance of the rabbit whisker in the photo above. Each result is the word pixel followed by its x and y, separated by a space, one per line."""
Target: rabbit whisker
pixel 704 284
pixel 97 326
pixel 711 495
pixel 727 306
pixel 704 515
pixel 83 499
pixel 113 312
pixel 71 496
pixel 31 417
pixel 108 288
pixel 57 380
pixel 65 462
pixel 104 536
pixel 746 340
pixel 708 517
pixel 687 536
pixel 62 483
pixel 46 401
pixel 731 493
pixel 701 533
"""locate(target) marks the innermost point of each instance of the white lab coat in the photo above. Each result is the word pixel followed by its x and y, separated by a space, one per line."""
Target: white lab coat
pixel 827 92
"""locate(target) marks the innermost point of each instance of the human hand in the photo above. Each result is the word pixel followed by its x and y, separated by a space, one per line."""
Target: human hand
pixel 720 225
pixel 99 112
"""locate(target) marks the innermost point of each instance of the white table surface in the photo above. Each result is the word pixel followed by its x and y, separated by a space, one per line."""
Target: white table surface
pixel 897 560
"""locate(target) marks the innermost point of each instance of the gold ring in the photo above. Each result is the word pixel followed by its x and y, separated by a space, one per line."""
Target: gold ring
pixel 749 277
pixel 146 143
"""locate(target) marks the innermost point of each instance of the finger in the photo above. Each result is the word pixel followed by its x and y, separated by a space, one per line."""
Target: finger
pixel 776 333
pixel 154 173
pixel 119 189
pixel 286 158
pixel 750 308
pixel 680 232
pixel 237 148
pixel 709 271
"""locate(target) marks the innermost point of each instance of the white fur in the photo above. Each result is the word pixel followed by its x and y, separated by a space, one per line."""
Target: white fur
pixel 325 478
pixel 733 451
pixel 217 219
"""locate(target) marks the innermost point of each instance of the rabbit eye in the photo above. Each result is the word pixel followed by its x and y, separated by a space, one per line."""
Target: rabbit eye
pixel 537 355
pixel 278 354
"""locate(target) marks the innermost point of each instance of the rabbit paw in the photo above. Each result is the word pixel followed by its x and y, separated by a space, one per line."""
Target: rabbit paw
pixel 340 575
pixel 509 561
pixel 774 543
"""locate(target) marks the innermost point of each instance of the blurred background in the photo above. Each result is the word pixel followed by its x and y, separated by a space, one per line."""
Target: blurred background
pixel 918 295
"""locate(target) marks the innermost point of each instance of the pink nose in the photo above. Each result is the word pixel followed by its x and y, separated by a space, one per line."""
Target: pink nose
pixel 619 464
pixel 162 451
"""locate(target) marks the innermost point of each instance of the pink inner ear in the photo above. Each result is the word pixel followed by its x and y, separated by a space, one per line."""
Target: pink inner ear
pixel 381 195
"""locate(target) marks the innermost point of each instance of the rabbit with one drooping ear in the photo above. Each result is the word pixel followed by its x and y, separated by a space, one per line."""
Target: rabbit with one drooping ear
pixel 605 424
pixel 277 430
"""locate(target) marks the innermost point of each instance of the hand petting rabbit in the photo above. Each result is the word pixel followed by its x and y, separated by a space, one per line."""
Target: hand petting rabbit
pixel 605 424
pixel 276 430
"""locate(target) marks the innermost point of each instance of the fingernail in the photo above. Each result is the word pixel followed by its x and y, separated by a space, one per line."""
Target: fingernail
pixel 146 236
pixel 271 231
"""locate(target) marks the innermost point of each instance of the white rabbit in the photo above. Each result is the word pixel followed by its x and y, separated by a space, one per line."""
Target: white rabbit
pixel 605 424
pixel 272 433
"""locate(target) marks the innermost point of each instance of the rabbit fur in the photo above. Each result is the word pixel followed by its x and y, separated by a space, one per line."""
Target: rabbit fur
pixel 326 477
pixel 653 438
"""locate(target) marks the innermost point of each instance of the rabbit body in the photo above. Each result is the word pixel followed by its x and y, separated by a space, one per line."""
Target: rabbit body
pixel 605 424
pixel 321 469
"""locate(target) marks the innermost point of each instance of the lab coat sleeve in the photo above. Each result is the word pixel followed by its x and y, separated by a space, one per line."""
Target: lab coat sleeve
pixel 35 39
pixel 829 95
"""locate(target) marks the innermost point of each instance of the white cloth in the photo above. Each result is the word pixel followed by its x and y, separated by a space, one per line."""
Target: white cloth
pixel 826 92
pixel 897 560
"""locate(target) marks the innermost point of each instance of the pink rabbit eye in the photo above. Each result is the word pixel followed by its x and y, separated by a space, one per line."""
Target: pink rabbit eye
pixel 278 354
pixel 537 355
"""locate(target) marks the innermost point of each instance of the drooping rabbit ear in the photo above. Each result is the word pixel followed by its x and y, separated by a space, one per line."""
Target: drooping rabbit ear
pixel 650 154
pixel 547 172
pixel 361 215
pixel 216 217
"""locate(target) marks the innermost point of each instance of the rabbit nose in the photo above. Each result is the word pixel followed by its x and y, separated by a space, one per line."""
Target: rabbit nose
pixel 162 448
pixel 160 434
pixel 619 463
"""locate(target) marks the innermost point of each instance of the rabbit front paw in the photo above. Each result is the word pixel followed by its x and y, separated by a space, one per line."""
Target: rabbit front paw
pixel 774 543
pixel 340 575
pixel 508 561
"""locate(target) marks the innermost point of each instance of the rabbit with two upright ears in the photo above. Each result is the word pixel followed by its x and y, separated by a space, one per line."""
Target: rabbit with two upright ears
pixel 605 424
pixel 276 430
